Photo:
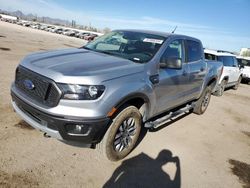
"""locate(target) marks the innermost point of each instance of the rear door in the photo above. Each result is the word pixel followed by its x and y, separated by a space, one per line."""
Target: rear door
pixel 236 71
pixel 197 68
pixel 229 68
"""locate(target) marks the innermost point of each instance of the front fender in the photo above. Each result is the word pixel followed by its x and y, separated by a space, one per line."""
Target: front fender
pixel 119 91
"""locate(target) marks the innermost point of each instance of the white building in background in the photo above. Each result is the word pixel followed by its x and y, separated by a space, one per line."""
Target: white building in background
pixel 245 52
pixel 8 17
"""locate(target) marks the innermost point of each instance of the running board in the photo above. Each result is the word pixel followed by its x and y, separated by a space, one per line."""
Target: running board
pixel 160 121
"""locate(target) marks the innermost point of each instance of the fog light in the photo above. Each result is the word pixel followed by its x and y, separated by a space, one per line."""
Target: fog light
pixel 78 129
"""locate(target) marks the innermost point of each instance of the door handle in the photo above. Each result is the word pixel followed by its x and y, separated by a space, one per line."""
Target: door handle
pixel 154 79
pixel 184 73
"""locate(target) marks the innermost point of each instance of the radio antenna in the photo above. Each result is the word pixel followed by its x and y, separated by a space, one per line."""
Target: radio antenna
pixel 174 29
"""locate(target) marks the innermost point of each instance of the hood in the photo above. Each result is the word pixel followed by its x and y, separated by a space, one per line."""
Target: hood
pixel 80 66
pixel 246 70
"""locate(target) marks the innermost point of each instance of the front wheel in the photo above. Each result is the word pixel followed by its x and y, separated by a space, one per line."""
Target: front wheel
pixel 203 102
pixel 122 134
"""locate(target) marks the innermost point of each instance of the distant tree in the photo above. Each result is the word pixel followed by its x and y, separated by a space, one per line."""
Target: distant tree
pixel 246 53
pixel 106 30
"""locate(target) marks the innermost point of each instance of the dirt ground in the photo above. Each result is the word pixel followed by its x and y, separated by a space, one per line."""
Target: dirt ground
pixel 211 150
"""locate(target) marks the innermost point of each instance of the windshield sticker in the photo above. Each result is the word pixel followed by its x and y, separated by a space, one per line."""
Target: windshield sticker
pixel 156 41
pixel 136 59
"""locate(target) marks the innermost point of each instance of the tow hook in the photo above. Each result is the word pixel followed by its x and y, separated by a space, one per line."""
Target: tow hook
pixel 46 135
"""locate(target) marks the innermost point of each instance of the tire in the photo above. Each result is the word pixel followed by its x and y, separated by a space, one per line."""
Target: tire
pixel 122 135
pixel 203 102
pixel 221 89
pixel 236 86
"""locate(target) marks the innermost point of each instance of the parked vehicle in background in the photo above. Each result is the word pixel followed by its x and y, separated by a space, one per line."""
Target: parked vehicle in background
pixel 19 22
pixel 79 34
pixel 82 35
pixel 53 30
pixel 50 28
pixel 231 75
pixel 43 27
pixel 26 24
pixel 75 33
pixel 67 32
pixel 244 62
pixel 90 37
pixel 35 26
pixel 59 30
pixel 105 92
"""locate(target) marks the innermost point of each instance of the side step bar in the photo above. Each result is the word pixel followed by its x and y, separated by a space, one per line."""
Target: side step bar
pixel 164 119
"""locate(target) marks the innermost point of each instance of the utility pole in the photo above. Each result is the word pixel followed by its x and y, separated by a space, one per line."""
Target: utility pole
pixel 73 23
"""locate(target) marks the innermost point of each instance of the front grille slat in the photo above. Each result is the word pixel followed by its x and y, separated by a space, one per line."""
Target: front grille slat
pixel 44 92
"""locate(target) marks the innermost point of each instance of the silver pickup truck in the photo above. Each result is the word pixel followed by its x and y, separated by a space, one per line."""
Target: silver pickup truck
pixel 105 92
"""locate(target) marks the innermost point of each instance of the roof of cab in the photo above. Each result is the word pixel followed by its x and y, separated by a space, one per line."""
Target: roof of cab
pixel 159 33
pixel 218 52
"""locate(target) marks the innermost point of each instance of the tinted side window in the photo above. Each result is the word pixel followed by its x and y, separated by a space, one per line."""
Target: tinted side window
pixel 210 56
pixel 240 62
pixel 193 51
pixel 174 49
pixel 244 62
pixel 235 62
pixel 227 60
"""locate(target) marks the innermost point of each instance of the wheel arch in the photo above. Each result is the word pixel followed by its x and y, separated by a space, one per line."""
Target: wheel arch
pixel 139 100
pixel 212 82
pixel 226 78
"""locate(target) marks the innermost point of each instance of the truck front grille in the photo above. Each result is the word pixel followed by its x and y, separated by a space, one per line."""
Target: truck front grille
pixel 43 90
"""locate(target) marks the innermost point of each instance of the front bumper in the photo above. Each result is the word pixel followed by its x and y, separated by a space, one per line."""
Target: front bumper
pixel 57 126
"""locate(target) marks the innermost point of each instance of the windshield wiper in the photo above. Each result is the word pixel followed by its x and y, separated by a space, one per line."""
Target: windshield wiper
pixel 84 47
pixel 105 52
pixel 95 50
pixel 136 60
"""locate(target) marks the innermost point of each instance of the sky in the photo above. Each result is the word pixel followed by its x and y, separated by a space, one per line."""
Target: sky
pixel 219 24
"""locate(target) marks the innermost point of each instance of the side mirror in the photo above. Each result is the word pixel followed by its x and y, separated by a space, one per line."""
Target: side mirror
pixel 241 66
pixel 171 63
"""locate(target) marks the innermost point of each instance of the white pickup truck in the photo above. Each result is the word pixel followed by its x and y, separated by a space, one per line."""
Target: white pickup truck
pixel 244 62
pixel 231 74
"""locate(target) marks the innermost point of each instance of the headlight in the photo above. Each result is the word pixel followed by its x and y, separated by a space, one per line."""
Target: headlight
pixel 81 92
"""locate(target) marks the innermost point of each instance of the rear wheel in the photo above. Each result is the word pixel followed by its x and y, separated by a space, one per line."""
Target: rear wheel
pixel 221 89
pixel 203 102
pixel 236 86
pixel 122 134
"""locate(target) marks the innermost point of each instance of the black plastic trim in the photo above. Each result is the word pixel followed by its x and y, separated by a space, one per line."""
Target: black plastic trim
pixel 97 128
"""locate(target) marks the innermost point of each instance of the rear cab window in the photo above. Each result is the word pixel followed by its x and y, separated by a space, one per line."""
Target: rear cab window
pixel 194 52
pixel 210 57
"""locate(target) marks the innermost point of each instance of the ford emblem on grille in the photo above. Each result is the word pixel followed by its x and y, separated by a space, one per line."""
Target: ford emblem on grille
pixel 28 84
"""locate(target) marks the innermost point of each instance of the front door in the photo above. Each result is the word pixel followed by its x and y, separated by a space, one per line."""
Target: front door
pixel 173 83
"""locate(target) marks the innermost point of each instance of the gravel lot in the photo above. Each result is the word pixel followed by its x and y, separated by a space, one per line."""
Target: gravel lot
pixel 212 150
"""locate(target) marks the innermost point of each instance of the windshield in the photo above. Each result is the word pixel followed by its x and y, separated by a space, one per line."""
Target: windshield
pixel 135 46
